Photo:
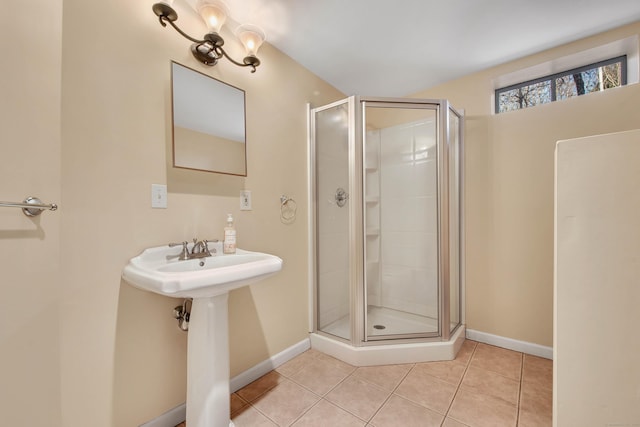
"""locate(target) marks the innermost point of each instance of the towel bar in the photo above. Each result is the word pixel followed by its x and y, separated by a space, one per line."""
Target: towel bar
pixel 31 206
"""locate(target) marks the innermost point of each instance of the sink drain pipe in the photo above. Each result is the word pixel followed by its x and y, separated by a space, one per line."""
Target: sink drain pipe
pixel 182 314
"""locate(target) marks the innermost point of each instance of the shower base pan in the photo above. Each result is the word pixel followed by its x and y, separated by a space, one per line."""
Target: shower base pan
pixel 385 321
pixel 390 354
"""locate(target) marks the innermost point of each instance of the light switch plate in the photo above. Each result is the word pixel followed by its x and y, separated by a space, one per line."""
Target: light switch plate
pixel 245 200
pixel 158 196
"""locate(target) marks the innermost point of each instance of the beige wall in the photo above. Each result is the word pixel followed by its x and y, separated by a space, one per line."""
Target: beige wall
pixel 30 166
pixel 509 190
pixel 87 125
pixel 123 357
pixel 596 374
pixel 90 129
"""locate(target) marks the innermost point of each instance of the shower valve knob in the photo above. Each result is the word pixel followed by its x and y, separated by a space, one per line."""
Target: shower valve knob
pixel 341 197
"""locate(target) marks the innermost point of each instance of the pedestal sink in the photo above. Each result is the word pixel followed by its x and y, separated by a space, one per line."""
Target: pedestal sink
pixel 208 281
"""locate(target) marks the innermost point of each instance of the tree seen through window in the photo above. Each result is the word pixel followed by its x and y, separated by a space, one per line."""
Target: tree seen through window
pixel 580 81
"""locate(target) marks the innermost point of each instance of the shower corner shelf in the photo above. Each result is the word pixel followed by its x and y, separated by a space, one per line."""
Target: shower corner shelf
pixel 373 232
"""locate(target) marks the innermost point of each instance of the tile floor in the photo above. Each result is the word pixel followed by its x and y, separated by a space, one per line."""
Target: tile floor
pixel 484 386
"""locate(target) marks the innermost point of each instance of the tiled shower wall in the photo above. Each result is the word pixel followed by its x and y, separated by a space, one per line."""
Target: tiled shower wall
pixel 408 220
pixel 400 214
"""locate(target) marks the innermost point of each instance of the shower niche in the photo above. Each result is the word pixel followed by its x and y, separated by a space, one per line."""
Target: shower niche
pixel 385 185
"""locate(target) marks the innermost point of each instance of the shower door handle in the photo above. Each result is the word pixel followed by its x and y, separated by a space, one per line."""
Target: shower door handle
pixel 341 197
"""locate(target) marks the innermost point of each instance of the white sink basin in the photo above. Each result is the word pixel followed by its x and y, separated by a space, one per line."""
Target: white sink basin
pixel 159 270
pixel 208 281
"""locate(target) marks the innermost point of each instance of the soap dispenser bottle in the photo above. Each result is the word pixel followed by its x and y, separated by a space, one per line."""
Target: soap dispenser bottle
pixel 229 246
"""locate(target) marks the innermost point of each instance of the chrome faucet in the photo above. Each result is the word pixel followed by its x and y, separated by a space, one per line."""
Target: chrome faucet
pixel 200 249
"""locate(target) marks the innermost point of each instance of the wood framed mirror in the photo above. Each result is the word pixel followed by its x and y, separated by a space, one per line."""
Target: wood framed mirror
pixel 209 127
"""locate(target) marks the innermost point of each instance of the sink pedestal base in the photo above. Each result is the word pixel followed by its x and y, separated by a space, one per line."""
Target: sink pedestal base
pixel 208 281
pixel 208 363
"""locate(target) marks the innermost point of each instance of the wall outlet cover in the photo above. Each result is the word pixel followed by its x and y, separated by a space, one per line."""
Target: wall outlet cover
pixel 245 200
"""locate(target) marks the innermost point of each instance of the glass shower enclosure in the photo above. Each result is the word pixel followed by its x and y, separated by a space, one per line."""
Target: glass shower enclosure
pixel 386 208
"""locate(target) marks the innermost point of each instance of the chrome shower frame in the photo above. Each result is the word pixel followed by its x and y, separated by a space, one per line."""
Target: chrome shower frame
pixel 356 107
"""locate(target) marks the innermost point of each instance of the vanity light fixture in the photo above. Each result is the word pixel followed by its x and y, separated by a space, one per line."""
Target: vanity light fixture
pixel 209 50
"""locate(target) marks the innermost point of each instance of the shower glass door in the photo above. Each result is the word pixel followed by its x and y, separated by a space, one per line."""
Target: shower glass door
pixel 333 150
pixel 400 187
pixel 455 202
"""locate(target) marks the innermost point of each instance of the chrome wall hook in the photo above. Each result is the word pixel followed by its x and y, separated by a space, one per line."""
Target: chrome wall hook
pixel 288 209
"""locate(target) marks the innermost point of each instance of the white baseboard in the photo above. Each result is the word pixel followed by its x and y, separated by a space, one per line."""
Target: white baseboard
pixel 170 418
pixel 178 414
pixel 266 366
pixel 511 344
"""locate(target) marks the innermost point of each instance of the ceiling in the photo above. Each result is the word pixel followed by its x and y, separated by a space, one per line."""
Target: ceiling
pixel 397 48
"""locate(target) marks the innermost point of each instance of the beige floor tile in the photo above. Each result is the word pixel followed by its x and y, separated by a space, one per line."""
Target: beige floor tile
pixel 387 376
pixel 466 351
pixel 450 371
pixel 536 407
pixel 286 402
pixel 325 414
pixel 450 422
pixel 294 365
pixel 481 410
pixel 426 390
pixel 237 403
pixel 315 353
pixel 538 364
pixel 358 397
pixel 321 376
pixel 401 412
pixel 496 359
pixel 536 397
pixel 488 394
pixel 260 386
pixel 537 372
pixel 250 417
pixel 488 382
pixel 534 419
pixel 337 364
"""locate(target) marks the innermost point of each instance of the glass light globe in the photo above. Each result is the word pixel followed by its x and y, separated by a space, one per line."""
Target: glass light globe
pixel 252 37
pixel 214 13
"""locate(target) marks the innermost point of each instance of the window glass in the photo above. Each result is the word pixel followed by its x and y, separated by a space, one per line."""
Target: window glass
pixel 525 96
pixel 579 81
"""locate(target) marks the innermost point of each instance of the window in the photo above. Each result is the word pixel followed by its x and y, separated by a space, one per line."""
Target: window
pixel 578 81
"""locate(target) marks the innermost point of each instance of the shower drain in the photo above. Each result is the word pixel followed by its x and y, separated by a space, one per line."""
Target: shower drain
pixel 379 327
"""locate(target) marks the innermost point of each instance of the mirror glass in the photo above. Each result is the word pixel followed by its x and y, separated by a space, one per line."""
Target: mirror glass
pixel 208 123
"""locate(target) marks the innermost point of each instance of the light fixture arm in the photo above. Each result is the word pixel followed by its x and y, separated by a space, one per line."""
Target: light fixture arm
pixel 165 20
pixel 248 61
pixel 207 50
